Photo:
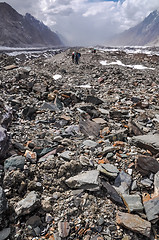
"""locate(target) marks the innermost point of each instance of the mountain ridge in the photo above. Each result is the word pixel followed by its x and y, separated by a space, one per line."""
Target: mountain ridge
pixel 145 33
pixel 24 31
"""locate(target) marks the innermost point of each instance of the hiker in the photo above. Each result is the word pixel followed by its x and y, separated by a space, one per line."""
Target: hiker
pixel 73 57
pixel 77 57
pixel 94 50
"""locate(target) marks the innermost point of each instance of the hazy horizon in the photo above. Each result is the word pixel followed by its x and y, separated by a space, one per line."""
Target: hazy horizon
pixel 86 22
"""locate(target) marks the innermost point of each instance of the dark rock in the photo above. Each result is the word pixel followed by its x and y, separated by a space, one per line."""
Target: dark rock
pixel 34 221
pixel 93 100
pixel 147 165
pixel 112 193
pixel 29 113
pixel 6 119
pixel 118 114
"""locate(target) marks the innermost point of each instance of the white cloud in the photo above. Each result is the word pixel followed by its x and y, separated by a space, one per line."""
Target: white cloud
pixel 85 21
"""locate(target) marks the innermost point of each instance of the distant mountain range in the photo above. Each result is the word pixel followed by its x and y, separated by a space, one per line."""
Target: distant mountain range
pixel 24 31
pixel 145 33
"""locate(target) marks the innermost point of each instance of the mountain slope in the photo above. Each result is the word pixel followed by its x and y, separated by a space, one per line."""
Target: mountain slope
pixel 22 31
pixel 144 33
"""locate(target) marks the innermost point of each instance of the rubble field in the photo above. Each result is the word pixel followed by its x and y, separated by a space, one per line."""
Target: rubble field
pixel 79 146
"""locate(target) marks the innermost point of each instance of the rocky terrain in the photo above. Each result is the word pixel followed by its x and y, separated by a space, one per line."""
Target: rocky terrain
pixel 79 146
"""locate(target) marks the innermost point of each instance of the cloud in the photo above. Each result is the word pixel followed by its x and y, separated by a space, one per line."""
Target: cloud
pixel 86 22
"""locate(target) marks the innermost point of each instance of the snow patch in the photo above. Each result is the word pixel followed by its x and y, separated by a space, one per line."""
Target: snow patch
pixel 118 62
pixel 57 76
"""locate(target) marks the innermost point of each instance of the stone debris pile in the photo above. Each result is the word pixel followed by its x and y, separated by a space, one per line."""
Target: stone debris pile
pixel 79 147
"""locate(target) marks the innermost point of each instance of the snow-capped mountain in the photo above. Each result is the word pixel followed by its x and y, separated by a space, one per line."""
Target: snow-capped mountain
pixel 23 31
pixel 144 33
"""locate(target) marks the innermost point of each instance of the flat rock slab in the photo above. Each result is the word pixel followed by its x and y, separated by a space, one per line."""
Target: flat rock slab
pixel 148 142
pixel 108 169
pixel 146 165
pixel 132 202
pixel 86 180
pixel 28 204
pixel 134 223
pixel 90 143
pixel 89 128
pixel 66 155
pixel 152 209
pixel 99 120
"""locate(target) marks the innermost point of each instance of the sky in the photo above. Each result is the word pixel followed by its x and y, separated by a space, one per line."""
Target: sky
pixel 86 22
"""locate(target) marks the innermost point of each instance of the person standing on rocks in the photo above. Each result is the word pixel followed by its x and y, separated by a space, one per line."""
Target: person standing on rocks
pixel 77 57
pixel 73 57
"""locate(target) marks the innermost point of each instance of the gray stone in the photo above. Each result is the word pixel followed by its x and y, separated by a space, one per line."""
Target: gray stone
pixel 119 135
pixel 4 234
pixel 123 182
pixel 48 218
pixel 34 221
pixel 156 184
pixel 108 169
pixel 134 185
pixel 4 142
pixel 3 201
pixel 86 180
pixel 14 162
pixel 90 143
pixel 152 209
pixel 108 149
pixel 146 182
pixel 148 142
pixel 28 204
pixel 111 192
pixel 89 128
pixel 49 106
pixel 132 202
pixel 109 155
pixel 72 130
pixel 66 155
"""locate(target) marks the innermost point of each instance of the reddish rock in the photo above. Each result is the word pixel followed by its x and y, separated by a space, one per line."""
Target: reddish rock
pixel 64 229
pixel 134 223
